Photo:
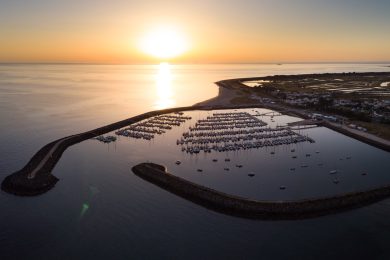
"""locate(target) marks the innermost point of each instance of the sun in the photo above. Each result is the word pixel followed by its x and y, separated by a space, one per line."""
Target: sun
pixel 164 43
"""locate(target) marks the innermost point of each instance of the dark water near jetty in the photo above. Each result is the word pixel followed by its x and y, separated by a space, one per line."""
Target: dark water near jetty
pixel 100 209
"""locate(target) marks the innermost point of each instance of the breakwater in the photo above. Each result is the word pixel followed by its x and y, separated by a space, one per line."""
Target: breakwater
pixel 256 209
pixel 35 177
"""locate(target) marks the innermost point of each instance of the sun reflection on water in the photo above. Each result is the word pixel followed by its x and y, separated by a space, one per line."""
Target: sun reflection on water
pixel 164 87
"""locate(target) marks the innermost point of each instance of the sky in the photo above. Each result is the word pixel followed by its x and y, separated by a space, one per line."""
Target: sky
pixel 217 31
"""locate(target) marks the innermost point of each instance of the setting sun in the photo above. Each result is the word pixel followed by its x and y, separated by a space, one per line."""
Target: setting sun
pixel 164 43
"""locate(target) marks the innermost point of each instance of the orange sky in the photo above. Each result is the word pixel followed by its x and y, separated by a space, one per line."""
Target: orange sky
pixel 217 31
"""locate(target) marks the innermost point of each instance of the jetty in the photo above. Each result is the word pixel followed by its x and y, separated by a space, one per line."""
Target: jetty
pixel 257 209
pixel 305 122
pixel 35 177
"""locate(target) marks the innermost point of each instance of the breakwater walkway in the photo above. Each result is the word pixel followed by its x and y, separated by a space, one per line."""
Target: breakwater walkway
pixel 256 209
pixel 35 177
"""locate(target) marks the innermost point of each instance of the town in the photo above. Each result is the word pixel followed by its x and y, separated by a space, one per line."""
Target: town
pixel 359 100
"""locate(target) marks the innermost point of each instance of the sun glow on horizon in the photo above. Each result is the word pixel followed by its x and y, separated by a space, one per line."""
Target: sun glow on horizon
pixel 164 43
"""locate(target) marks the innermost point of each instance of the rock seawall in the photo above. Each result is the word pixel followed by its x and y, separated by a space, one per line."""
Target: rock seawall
pixel 256 209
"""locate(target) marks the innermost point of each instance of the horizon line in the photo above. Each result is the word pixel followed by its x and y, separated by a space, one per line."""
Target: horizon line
pixel 196 63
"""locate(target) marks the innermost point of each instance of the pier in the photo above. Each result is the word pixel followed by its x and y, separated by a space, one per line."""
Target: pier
pixel 306 122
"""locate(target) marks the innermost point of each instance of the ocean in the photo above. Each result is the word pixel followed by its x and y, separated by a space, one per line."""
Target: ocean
pixel 100 210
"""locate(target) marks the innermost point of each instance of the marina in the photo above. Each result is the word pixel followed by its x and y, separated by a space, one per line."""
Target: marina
pixel 250 152
pixel 234 131
pixel 269 160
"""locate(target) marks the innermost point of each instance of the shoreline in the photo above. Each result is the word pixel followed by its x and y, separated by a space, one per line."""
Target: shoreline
pixel 35 177
pixel 237 85
pixel 256 209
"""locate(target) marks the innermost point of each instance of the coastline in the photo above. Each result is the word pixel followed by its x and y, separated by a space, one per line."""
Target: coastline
pixel 235 85
pixel 227 90
pixel 35 177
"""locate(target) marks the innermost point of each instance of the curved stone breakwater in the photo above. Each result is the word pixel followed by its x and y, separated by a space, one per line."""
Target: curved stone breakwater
pixel 35 177
pixel 256 209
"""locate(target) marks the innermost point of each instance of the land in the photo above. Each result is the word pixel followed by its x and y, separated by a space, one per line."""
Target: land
pixel 35 177
pixel 362 114
pixel 358 100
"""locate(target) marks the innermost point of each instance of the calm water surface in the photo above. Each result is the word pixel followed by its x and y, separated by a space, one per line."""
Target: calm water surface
pixel 99 209
pixel 272 165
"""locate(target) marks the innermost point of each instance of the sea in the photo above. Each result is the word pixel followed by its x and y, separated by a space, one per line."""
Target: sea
pixel 100 210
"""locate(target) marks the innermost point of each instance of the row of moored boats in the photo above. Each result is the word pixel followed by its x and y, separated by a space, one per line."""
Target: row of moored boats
pixel 156 125
pixel 235 131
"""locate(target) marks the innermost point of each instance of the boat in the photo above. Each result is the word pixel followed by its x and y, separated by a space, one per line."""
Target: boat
pixel 333 172
pixel 335 181
pixel 282 187
pixel 251 174
pixel 178 162
pixel 227 160
pixel 215 160
pixel 106 139
pixel 200 170
pixel 226 169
